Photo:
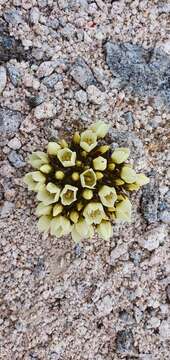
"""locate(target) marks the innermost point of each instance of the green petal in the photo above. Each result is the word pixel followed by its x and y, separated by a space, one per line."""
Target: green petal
pixel 128 175
pixel 123 210
pixel 120 155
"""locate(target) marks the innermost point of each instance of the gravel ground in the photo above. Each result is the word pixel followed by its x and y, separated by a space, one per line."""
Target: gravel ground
pixel 63 65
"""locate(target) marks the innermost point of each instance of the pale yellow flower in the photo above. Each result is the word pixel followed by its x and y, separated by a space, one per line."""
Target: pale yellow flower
pixel 100 129
pixel 142 179
pixel 68 194
pixel 88 140
pixel 33 180
pixel 120 155
pixel 53 148
pixel 44 223
pixel 128 174
pixel 105 230
pixel 46 197
pixel 107 195
pixel 67 157
pixel 53 189
pixel 88 179
pixel 60 226
pixel 100 163
pixel 43 209
pixel 81 230
pixel 94 213
pixel 37 159
pixel 123 210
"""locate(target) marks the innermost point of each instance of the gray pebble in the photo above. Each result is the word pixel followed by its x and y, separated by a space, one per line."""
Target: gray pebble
pixel 9 120
pixel 164 216
pixel 13 17
pixel 82 74
pixel 3 78
pixel 124 340
pixel 51 80
pixel 81 96
pixel 6 209
pixel 14 74
pixel 16 159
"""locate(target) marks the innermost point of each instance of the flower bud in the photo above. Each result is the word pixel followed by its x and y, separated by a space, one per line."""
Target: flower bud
pixel 111 166
pixel 120 155
pixel 79 206
pixel 119 182
pixel 68 194
pixel 75 176
pixel 53 148
pixel 76 138
pixel 57 209
pixel 46 169
pixel 63 144
pixel 88 140
pixel 128 174
pixel 78 163
pixel 67 157
pixel 74 216
pixel 100 163
pixel 84 154
pixel 99 175
pixel 107 195
pixel 100 129
pixel 59 175
pixel 133 187
pixel 123 210
pixel 103 149
pixel 87 194
pixel 105 230
pixel 88 179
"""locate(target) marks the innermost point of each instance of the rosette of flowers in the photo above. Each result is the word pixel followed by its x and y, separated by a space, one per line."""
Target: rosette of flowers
pixel 83 186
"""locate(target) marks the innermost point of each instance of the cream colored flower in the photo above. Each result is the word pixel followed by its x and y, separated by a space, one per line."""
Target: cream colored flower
pixel 67 157
pixel 53 189
pixel 46 197
pixel 68 194
pixel 107 195
pixel 60 226
pixel 44 223
pixel 88 140
pixel 43 209
pixel 100 163
pixel 120 155
pixel 33 180
pixel 37 159
pixel 100 129
pixel 81 230
pixel 142 179
pixel 105 229
pixel 123 210
pixel 128 174
pixel 53 148
pixel 94 213
pixel 88 179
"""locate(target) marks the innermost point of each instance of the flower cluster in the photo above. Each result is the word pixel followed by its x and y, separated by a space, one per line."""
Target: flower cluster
pixel 83 186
